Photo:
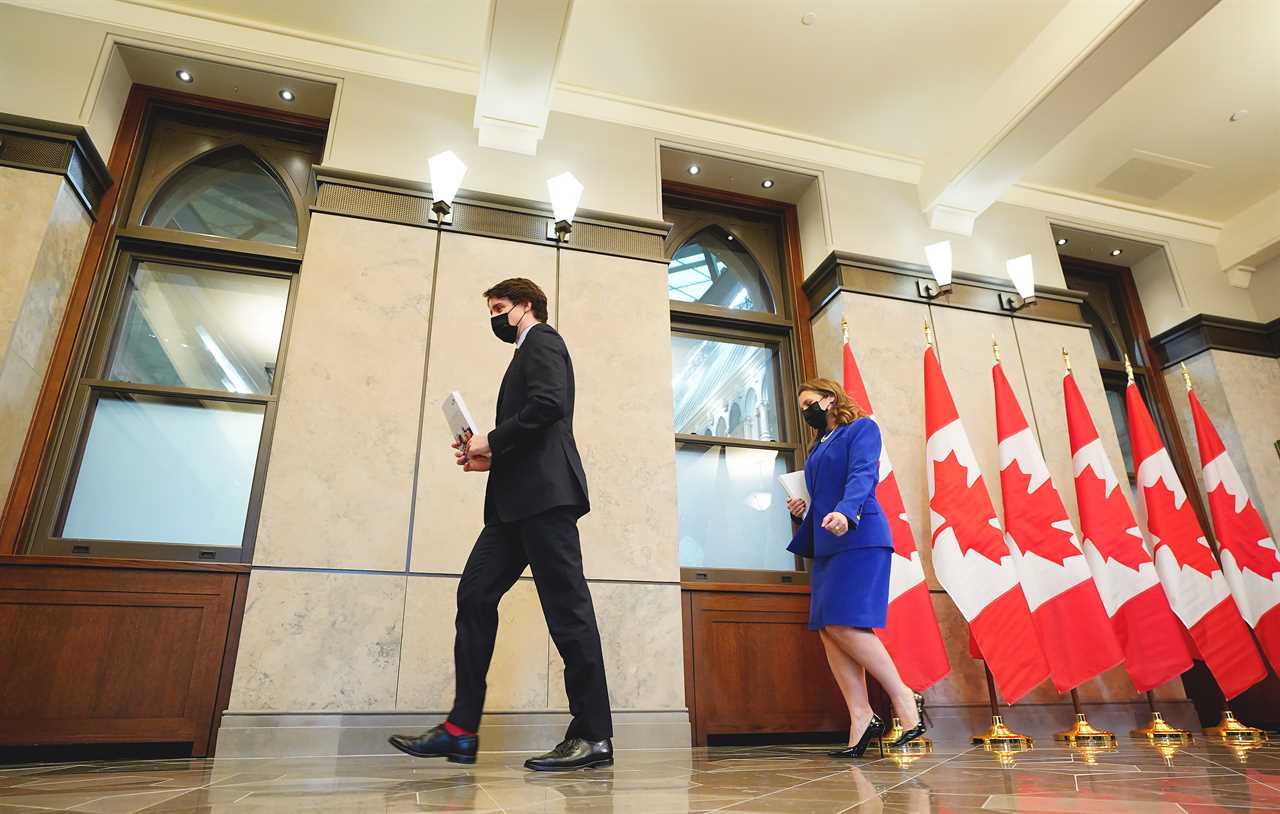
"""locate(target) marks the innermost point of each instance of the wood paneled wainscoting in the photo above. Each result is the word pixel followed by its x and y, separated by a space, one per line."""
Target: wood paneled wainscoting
pixel 753 667
pixel 100 651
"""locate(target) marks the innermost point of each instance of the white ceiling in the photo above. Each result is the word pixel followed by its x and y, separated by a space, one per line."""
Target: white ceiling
pixel 883 76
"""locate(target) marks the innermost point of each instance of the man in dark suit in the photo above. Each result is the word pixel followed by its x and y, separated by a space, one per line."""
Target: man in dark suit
pixel 537 490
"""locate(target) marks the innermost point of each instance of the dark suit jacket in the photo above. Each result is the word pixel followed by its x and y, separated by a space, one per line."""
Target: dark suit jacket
pixel 535 466
pixel 842 477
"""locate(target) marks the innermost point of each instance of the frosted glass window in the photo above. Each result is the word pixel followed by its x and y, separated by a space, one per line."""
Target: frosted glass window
pixel 724 388
pixel 165 471
pixel 732 511
pixel 200 328
pixel 715 269
pixel 227 193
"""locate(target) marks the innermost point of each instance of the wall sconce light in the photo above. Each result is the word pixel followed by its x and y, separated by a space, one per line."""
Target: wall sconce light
pixel 1023 275
pixel 566 193
pixel 939 257
pixel 446 171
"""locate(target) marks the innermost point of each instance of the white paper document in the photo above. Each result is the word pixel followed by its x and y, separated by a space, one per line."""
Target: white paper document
pixel 461 425
pixel 793 485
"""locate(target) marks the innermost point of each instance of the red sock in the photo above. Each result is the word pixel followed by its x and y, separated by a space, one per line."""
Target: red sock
pixel 456 731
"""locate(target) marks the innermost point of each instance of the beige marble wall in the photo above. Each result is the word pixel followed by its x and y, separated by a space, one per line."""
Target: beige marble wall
pixel 1240 393
pixel 339 482
pixel 465 357
pixel 614 314
pixel 643 647
pixel 518 673
pixel 315 642
pixel 43 229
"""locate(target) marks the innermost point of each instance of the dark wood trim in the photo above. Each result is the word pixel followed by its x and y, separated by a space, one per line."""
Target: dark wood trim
pixel 739 587
pixel 232 649
pixel 1205 331
pixel 119 564
pixel 880 277
pixel 54 147
pixel 804 309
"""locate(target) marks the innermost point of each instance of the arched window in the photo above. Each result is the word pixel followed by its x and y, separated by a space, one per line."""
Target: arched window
pixel 226 193
pixel 1104 344
pixel 712 268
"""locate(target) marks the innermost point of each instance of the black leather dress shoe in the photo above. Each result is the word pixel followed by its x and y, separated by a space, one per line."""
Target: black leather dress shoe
pixel 574 753
pixel 437 742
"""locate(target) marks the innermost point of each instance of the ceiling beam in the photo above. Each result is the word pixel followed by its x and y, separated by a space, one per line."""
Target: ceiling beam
pixel 521 58
pixel 1085 54
pixel 1249 240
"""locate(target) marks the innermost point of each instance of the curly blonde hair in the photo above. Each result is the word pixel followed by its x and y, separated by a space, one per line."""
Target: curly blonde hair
pixel 845 409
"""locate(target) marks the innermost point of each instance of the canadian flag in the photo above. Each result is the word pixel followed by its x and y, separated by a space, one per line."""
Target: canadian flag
pixel 1152 638
pixel 1075 633
pixel 1195 586
pixel 911 633
pixel 970 556
pixel 1249 559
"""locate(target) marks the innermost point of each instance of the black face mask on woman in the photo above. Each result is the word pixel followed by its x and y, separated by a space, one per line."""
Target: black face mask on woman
pixel 502 327
pixel 815 416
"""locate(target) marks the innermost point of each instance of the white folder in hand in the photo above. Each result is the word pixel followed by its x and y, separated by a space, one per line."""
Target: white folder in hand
pixel 793 484
pixel 461 425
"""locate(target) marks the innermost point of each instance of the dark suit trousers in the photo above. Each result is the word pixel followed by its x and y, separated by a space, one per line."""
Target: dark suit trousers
pixel 548 544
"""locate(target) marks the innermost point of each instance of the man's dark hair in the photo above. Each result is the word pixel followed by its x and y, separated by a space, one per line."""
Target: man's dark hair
pixel 519 290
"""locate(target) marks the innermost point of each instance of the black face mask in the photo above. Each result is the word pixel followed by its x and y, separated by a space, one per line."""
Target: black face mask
pixel 815 416
pixel 502 327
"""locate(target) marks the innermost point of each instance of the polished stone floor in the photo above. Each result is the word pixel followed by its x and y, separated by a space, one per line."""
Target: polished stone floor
pixel 767 780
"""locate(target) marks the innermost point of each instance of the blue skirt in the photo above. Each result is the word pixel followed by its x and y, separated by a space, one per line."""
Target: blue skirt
pixel 850 589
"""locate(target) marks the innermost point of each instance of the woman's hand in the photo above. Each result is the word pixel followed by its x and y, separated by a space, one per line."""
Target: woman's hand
pixel 797 507
pixel 836 523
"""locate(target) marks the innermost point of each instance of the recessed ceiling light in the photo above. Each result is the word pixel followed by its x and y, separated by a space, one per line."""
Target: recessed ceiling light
pixel 287 95
pixel 767 183
pixel 694 169
pixel 809 18
pixel 1062 241
pixel 185 76
pixel 1238 115
pixel 1116 252
pixel 731 237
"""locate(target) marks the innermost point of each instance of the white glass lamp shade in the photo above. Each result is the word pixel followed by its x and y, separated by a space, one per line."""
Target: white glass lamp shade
pixel 447 171
pixel 1023 275
pixel 565 192
pixel 939 257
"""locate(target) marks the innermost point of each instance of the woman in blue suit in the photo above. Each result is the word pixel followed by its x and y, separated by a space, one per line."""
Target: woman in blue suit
pixel 848 539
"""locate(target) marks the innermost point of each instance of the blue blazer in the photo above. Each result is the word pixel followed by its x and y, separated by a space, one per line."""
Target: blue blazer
pixel 841 476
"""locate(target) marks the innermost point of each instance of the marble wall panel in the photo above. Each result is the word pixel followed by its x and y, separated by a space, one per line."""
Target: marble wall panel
pixel 313 642
pixel 339 484
pixel 643 647
pixel 26 204
pixel 615 316
pixel 518 673
pixel 465 356
pixel 1252 387
pixel 1041 344
pixel 19 389
pixel 887 337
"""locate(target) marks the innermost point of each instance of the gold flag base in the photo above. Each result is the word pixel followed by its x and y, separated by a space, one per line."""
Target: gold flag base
pixel 919 746
pixel 1232 731
pixel 1083 734
pixel 1159 731
pixel 1001 738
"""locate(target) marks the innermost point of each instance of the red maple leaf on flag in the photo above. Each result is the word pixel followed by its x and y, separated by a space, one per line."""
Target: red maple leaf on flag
pixel 1239 533
pixel 966 509
pixel 1029 516
pixel 1177 529
pixel 890 498
pixel 1110 514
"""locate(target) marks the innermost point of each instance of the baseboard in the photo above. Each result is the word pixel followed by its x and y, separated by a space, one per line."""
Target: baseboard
pixel 252 735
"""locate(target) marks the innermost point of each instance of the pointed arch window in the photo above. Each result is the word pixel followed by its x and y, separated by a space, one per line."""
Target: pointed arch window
pixel 227 193
pixel 712 268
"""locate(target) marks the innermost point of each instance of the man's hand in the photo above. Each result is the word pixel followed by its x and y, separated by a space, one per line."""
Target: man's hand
pixel 836 523
pixel 478 447
pixel 472 463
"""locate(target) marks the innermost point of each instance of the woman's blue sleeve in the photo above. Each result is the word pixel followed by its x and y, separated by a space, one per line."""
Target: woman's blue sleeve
pixel 864 469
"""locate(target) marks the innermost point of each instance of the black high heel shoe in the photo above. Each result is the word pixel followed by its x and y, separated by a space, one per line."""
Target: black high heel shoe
pixel 916 731
pixel 875 729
